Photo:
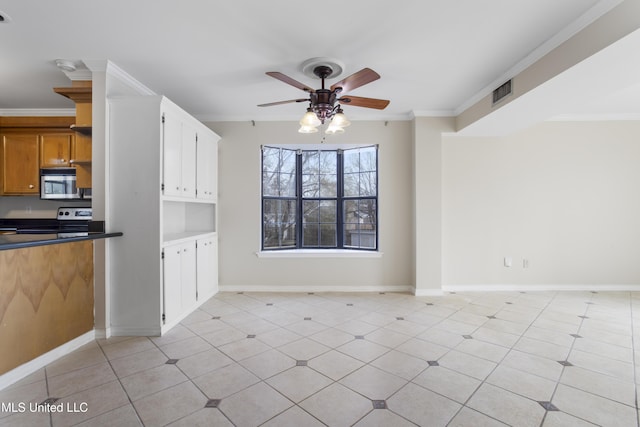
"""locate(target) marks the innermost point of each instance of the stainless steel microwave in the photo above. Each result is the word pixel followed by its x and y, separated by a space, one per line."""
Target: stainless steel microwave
pixel 60 184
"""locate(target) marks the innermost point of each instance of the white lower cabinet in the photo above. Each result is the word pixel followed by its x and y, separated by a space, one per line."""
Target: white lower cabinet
pixel 189 276
pixel 207 255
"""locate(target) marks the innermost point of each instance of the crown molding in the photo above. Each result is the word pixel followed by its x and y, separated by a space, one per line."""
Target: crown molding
pixel 595 117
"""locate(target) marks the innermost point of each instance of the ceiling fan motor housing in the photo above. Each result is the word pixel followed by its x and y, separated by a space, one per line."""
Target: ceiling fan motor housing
pixel 322 103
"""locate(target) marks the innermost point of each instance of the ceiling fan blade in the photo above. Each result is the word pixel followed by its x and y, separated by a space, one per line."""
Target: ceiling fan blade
pixel 288 80
pixel 284 102
pixel 358 101
pixel 361 78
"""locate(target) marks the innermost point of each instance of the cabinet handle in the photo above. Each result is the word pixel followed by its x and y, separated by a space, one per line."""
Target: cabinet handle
pixel 177 188
pixel 185 189
pixel 31 186
pixel 62 160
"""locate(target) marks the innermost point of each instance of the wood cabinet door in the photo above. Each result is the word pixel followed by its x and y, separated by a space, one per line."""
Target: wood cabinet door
pixel 20 164
pixel 55 150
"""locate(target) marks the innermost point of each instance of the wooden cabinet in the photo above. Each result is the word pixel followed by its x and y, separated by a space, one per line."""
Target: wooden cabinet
pixel 55 150
pixel 153 201
pixel 20 164
pixel 29 143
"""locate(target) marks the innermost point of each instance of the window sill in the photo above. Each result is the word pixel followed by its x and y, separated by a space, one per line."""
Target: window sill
pixel 319 253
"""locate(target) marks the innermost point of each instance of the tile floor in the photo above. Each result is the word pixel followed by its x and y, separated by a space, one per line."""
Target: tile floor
pixel 275 359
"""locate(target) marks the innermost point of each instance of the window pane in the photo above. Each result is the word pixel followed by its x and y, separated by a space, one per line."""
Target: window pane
pixel 351 184
pixel 328 235
pixel 367 159
pixel 270 184
pixel 310 185
pixel 279 223
pixel 310 235
pixel 287 185
pixel 328 211
pixel 328 185
pixel 310 211
pixel 351 159
pixel 360 223
pixel 368 184
pixel 310 160
pixel 270 159
pixel 288 160
pixel 328 162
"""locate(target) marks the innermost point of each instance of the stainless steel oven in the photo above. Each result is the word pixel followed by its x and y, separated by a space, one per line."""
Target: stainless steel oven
pixel 59 184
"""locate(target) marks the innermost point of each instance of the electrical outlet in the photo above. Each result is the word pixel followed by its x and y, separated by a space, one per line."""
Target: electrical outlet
pixel 525 263
pixel 508 261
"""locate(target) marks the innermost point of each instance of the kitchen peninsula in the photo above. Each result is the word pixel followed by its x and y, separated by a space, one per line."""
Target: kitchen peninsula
pixel 46 293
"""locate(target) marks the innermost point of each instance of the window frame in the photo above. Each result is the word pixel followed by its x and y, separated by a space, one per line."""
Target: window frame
pixel 339 198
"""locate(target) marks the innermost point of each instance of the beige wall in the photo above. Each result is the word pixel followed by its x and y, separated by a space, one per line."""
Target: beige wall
pixel 239 210
pixel 564 195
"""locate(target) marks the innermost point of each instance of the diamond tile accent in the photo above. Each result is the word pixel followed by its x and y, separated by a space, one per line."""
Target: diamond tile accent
pixel 171 361
pixel 508 302
pixel 549 406
pixel 310 293
pixel 212 403
pixel 379 404
pixel 269 303
pixel 349 305
pixel 584 317
pixel 240 293
pixel 491 317
pixel 429 303
pixel 575 335
pixel 359 337
pixel 251 336
pixel 589 302
pixel 467 337
pixel 399 318
pixel 381 293
pixel 301 363
pixel 307 318
pixel 433 363
pixel 50 401
pixel 565 363
pixel 215 318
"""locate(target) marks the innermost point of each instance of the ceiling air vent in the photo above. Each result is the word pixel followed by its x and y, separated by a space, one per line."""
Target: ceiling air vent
pixel 501 92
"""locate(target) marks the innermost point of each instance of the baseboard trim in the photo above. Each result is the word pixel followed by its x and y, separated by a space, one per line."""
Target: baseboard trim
pixel 427 292
pixel 134 332
pixel 312 288
pixel 542 288
pixel 40 362
pixel 103 334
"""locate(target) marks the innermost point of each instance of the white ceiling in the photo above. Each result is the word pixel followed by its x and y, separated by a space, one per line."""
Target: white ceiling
pixel 210 57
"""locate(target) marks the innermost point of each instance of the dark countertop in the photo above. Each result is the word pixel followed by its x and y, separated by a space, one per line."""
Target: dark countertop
pixel 18 241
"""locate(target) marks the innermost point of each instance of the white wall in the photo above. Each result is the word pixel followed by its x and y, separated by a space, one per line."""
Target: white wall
pixel 564 195
pixel 240 217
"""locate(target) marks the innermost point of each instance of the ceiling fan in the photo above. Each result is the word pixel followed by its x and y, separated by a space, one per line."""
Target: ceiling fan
pixel 324 104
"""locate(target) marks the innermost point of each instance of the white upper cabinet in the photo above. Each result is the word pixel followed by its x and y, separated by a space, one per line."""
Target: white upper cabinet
pixel 206 167
pixel 190 155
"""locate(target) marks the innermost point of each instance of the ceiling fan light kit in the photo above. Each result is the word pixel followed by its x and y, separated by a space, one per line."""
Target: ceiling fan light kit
pixel 324 104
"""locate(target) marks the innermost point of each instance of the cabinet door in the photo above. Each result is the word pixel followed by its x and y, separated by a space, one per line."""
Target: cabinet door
pixel 188 276
pixel 188 163
pixel 171 283
pixel 55 150
pixel 20 164
pixel 206 167
pixel 207 267
pixel 172 155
